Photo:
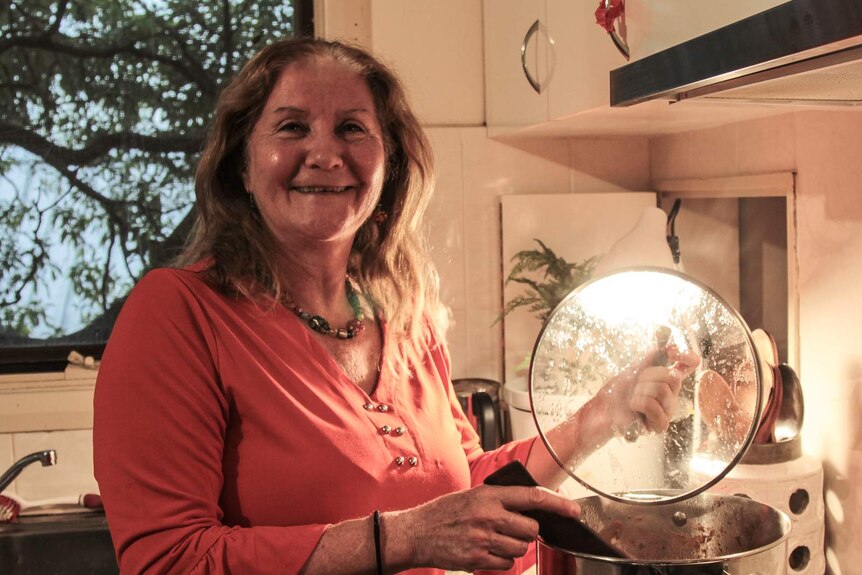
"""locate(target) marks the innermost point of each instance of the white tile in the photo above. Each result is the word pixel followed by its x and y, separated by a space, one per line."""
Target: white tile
pixel 6 456
pixel 605 164
pixel 73 473
pixel 767 145
pixel 484 344
pixel 670 157
pixel 492 169
pixel 444 220
pixel 457 340
pixel 444 74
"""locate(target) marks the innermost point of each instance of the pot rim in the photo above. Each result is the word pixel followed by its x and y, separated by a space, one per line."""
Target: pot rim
pixel 669 562
pixel 786 526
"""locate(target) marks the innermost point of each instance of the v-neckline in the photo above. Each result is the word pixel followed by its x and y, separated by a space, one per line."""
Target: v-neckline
pixel 329 363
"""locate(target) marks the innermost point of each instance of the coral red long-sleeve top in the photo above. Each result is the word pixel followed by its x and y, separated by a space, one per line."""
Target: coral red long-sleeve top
pixel 226 439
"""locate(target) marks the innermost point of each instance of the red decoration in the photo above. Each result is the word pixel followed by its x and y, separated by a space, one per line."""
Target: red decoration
pixel 605 17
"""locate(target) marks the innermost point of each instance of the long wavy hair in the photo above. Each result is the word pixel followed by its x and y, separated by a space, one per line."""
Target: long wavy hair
pixel 388 259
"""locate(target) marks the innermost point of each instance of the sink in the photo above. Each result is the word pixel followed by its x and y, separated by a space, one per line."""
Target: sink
pixel 76 543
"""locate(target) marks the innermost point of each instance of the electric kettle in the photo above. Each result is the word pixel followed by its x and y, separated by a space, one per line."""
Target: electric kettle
pixel 480 400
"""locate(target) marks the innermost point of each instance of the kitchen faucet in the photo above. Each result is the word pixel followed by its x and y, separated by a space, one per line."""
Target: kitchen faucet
pixel 46 458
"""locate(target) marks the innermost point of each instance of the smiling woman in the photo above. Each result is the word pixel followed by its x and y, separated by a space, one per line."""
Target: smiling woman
pixel 102 112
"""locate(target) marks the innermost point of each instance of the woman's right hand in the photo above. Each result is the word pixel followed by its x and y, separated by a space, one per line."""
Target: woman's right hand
pixel 479 528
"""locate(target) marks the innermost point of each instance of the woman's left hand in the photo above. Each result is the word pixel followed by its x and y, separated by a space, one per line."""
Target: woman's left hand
pixel 648 391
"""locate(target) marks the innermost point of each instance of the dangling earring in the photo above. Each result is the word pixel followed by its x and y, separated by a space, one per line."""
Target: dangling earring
pixel 251 203
pixel 380 215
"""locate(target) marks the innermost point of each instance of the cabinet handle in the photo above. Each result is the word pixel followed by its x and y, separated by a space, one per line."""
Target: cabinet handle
pixel 533 82
pixel 621 44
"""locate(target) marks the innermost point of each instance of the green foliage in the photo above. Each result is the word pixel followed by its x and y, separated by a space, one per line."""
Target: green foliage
pixel 556 281
pixel 103 107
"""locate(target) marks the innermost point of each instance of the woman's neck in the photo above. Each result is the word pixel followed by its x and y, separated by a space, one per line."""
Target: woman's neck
pixel 315 279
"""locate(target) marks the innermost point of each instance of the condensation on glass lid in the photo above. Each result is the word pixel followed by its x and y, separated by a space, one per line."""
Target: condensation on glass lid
pixel 605 331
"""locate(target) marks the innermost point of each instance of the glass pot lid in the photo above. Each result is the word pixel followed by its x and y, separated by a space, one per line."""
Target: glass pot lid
pixel 587 357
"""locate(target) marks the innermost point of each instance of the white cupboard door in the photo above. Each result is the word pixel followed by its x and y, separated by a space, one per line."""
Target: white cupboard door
pixel 584 55
pixel 511 102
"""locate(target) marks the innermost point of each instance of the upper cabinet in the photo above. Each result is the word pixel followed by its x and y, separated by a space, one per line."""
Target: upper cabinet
pixel 548 65
pixel 543 61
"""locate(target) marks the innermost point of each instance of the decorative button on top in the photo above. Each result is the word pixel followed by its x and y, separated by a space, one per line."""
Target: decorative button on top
pixel 399 431
pixel 383 407
pixel 413 461
pixel 368 406
pixel 385 430
pixel 399 460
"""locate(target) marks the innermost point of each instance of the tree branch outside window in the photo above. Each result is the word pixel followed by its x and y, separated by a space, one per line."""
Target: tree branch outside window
pixel 103 108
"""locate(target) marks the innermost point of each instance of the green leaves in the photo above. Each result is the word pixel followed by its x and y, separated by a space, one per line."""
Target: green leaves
pixel 557 279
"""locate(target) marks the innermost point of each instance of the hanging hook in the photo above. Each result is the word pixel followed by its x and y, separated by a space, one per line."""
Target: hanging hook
pixel 672 238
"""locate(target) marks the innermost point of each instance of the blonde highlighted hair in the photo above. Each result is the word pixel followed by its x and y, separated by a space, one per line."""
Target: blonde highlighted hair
pixel 388 259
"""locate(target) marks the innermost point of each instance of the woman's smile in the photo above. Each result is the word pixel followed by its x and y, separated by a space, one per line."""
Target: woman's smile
pixel 320 189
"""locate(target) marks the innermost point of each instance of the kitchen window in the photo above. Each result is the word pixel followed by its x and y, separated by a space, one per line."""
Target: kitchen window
pixel 103 109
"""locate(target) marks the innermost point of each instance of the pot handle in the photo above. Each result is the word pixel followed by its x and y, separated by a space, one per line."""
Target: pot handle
pixel 555 529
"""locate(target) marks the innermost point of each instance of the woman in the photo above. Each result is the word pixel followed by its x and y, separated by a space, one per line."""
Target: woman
pixel 283 403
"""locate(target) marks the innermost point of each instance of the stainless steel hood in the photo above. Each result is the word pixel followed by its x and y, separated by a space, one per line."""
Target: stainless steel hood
pixel 801 52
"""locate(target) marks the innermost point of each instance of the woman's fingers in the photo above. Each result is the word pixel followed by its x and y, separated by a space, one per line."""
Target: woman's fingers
pixel 537 498
pixel 655 395
pixel 483 527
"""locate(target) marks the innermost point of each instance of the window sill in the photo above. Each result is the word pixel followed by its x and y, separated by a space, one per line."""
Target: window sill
pixel 47 401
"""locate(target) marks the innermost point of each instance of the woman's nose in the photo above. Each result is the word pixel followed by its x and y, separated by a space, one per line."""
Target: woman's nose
pixel 324 152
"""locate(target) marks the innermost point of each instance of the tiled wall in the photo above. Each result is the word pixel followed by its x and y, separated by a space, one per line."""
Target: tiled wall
pixel 464 232
pixel 825 148
pixel 464 219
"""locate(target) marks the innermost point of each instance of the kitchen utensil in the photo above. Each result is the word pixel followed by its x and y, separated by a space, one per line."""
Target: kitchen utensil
pixel 651 504
pixel 770 414
pixel 767 352
pixel 722 412
pixel 553 527
pixel 707 534
pixel 603 328
pixel 792 409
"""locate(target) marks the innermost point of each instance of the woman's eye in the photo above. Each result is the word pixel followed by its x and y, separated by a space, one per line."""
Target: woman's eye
pixel 292 128
pixel 352 130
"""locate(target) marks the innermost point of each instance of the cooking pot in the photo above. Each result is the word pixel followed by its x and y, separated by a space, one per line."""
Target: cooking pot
pixel 702 535
pixel 480 401
pixel 651 501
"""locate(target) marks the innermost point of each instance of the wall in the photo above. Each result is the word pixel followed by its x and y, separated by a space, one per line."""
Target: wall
pixel 825 150
pixel 437 48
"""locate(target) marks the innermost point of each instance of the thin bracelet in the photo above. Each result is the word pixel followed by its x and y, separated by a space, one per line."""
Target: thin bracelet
pixel 377 552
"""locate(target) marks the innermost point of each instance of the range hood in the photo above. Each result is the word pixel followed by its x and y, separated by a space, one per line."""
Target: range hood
pixel 800 52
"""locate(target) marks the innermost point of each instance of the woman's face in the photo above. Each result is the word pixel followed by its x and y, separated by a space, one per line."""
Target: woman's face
pixel 315 158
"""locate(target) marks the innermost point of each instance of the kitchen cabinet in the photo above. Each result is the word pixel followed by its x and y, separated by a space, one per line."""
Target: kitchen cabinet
pixel 570 59
pixel 543 61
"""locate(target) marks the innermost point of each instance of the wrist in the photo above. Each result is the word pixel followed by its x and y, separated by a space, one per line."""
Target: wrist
pixel 397 546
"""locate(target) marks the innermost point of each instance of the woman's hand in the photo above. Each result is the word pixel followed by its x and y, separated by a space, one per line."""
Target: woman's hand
pixel 479 528
pixel 647 391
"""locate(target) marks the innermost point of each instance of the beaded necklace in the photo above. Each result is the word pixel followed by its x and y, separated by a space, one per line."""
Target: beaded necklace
pixel 319 324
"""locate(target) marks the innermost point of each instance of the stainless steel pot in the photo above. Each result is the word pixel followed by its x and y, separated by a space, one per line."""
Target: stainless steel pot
pixel 702 535
pixel 652 503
